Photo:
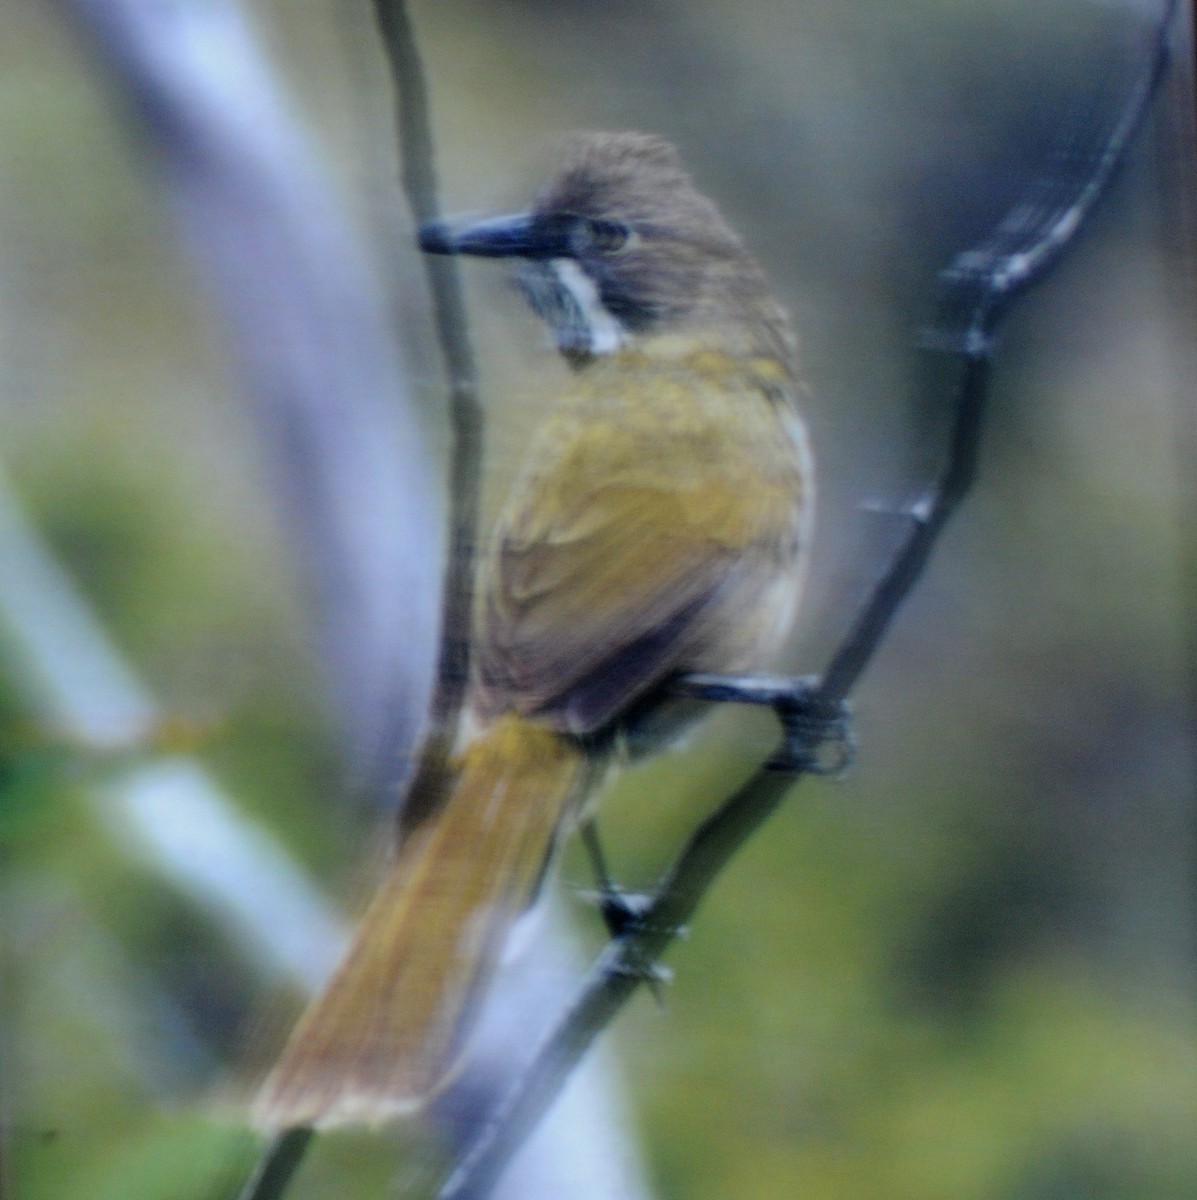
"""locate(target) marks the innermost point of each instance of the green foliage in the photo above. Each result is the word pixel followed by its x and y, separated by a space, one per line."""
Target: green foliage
pixel 158 1158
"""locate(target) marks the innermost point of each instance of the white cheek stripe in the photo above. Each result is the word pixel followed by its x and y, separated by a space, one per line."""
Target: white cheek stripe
pixel 605 332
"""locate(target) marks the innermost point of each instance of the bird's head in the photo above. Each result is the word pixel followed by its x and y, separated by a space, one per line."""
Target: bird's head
pixel 618 247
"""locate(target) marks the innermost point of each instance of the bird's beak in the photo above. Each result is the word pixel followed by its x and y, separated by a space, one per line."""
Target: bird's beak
pixel 516 236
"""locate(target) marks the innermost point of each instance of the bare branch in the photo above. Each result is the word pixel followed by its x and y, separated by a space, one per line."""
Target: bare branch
pixel 418 173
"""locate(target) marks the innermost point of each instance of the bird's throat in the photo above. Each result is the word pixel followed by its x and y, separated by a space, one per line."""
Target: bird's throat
pixel 566 297
pixel 600 331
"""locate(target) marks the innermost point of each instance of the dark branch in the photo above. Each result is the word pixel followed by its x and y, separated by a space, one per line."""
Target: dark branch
pixel 979 286
pixel 976 292
pixel 418 174
pixel 278 1164
pixel 928 517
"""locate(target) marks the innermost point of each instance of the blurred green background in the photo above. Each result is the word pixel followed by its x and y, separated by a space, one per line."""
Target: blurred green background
pixel 965 972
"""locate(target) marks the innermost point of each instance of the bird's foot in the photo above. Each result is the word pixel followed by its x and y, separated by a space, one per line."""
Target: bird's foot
pixel 818 736
pixel 624 914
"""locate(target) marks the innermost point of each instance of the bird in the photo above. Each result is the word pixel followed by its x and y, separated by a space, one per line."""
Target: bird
pixel 660 525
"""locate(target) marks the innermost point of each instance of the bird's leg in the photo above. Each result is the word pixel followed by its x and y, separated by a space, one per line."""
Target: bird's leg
pixel 818 735
pixel 622 912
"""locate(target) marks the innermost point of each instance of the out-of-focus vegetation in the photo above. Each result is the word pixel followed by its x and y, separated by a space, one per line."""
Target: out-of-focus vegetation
pixel 964 973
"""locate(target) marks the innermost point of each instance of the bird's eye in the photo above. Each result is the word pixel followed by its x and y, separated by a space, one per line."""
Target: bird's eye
pixel 610 237
pixel 594 235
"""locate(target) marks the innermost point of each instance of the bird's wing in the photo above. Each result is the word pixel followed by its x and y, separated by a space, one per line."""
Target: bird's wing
pixel 610 562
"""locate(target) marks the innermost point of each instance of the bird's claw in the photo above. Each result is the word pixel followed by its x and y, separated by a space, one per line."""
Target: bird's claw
pixel 818 737
pixel 818 734
pixel 622 912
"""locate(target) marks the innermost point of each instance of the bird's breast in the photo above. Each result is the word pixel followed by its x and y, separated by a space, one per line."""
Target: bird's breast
pixel 661 524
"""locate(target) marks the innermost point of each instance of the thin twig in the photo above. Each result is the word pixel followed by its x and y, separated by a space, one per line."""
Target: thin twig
pixel 418 175
pixel 979 286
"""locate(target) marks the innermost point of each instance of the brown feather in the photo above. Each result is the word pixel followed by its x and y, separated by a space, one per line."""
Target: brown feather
pixel 387 1029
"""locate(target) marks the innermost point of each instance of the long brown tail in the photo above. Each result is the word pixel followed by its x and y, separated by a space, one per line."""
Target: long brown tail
pixel 385 1031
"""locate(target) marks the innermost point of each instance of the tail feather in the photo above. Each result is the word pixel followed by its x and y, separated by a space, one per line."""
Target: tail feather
pixel 388 1027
